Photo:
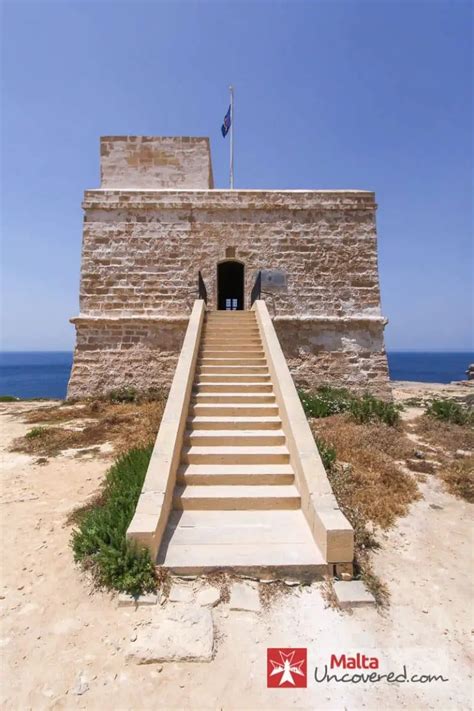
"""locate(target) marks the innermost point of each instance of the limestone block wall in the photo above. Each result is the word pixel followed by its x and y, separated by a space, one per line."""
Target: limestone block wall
pixel 341 352
pixel 114 353
pixel 155 162
pixel 142 250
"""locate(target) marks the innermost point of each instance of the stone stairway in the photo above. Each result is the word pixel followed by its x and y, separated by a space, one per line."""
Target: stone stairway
pixel 235 503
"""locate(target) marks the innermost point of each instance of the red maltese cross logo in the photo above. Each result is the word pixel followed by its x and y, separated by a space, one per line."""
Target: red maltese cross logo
pixel 286 667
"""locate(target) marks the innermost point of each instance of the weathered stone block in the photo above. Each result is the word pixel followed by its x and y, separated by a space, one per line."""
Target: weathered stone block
pixel 353 593
pixel 177 633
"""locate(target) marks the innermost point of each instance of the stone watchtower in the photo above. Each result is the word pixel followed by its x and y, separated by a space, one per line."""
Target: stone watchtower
pixel 157 222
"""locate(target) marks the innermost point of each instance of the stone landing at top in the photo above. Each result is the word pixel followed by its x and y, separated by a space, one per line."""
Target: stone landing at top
pixel 155 163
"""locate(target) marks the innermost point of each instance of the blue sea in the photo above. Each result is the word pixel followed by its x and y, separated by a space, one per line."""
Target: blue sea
pixel 46 374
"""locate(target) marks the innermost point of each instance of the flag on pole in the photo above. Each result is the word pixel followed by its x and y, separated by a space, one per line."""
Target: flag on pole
pixel 226 125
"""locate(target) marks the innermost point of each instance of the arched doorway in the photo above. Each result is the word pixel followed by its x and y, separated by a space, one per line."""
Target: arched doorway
pixel 230 286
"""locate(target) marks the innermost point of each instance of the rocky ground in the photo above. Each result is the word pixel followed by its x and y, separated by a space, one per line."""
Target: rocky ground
pixel 65 646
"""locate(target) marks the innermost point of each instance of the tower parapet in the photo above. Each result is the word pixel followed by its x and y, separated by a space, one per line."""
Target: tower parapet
pixel 155 163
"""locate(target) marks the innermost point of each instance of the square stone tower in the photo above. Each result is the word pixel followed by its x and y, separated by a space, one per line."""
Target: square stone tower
pixel 156 222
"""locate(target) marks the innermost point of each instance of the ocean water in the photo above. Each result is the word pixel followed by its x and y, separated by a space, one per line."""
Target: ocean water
pixel 46 374
pixel 429 367
pixel 35 374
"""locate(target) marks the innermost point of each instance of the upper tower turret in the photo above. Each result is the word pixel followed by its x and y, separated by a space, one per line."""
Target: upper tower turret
pixel 155 163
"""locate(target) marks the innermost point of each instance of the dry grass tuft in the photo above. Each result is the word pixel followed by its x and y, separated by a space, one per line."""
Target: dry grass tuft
pixel 163 581
pixel 269 593
pixel 364 570
pixel 75 517
pixel 446 436
pixel 329 594
pixel 371 487
pixel 222 581
pixel 123 425
pixel 420 466
pixel 459 478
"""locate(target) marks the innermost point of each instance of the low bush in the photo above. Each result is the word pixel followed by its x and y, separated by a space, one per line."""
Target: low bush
pixel 451 411
pixel 459 478
pixel 125 394
pixel 368 408
pixel 130 394
pixel 8 398
pixel 99 542
pixel 36 433
pixel 327 401
pixel 327 452
pixel 446 436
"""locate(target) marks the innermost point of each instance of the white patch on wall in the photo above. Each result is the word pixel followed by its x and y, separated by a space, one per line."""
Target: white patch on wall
pixel 349 344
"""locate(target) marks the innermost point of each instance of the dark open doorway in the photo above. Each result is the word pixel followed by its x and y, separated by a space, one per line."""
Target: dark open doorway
pixel 230 286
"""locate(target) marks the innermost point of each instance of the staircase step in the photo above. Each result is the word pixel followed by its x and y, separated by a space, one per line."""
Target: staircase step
pixel 232 387
pixel 241 323
pixel 234 438
pixel 248 350
pixel 225 498
pixel 227 315
pixel 240 355
pixel 231 474
pixel 216 378
pixel 247 316
pixel 226 397
pixel 233 410
pixel 230 322
pixel 232 342
pixel 231 336
pixel 234 455
pixel 239 361
pixel 233 369
pixel 232 329
pixel 256 543
pixel 239 423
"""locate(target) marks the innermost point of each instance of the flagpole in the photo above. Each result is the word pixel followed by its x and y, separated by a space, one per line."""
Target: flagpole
pixel 231 89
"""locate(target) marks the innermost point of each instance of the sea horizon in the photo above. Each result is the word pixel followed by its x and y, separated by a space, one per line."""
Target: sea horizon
pixel 45 374
pixel 388 350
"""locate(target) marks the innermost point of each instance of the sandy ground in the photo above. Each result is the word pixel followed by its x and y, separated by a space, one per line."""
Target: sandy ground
pixel 54 628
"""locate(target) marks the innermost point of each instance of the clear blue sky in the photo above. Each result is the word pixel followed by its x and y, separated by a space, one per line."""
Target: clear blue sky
pixel 329 94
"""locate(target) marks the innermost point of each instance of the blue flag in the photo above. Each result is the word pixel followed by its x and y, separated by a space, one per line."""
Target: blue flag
pixel 226 125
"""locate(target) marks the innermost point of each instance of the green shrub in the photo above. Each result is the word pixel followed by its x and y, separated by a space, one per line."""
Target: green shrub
pixel 327 452
pixel 451 411
pixel 8 398
pixel 36 433
pixel 130 394
pixel 326 401
pixel 370 409
pixel 125 394
pixel 99 542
